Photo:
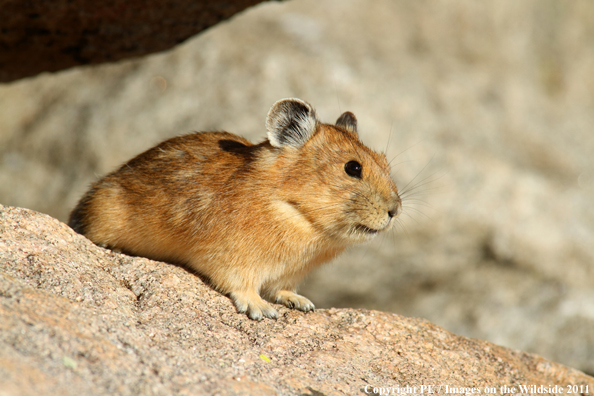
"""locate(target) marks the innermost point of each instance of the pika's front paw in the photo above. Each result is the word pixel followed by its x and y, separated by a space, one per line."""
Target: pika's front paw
pixel 259 312
pixel 293 300
pixel 252 304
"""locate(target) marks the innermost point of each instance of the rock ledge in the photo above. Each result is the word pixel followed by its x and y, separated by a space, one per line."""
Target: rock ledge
pixel 77 319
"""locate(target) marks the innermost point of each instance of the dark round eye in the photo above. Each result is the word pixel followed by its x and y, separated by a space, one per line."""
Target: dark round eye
pixel 353 169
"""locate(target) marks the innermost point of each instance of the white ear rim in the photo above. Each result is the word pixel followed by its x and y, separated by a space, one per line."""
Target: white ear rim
pixel 291 122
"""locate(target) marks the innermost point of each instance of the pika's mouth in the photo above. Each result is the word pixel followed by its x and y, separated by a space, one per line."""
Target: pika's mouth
pixel 365 230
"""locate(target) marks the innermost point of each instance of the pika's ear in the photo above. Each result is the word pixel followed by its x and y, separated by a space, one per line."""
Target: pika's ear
pixel 291 122
pixel 347 121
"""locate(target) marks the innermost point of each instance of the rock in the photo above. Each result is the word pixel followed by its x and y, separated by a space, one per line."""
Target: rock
pixel 37 36
pixel 486 108
pixel 78 319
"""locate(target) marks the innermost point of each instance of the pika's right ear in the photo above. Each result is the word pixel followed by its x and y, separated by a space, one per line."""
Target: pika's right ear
pixel 347 121
pixel 291 122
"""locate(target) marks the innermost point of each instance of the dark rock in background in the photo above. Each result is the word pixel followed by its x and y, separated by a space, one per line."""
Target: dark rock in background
pixel 39 36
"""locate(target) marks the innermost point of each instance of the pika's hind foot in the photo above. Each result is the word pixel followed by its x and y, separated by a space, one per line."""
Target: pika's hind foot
pixel 294 300
pixel 252 304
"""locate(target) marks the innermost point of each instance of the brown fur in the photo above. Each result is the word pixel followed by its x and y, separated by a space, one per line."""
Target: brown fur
pixel 253 219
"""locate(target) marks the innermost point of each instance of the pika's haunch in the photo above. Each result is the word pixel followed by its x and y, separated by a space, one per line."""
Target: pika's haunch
pixel 253 219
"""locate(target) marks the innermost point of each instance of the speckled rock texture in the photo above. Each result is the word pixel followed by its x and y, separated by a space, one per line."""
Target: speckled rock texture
pixel 39 36
pixel 76 319
pixel 486 110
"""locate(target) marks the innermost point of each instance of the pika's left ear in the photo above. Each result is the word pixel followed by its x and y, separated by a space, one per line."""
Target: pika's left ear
pixel 291 122
pixel 347 121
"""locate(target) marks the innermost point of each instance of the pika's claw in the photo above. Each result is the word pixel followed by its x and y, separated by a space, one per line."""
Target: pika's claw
pixel 252 304
pixel 258 313
pixel 293 300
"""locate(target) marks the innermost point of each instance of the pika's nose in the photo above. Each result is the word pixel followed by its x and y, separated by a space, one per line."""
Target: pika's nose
pixel 396 209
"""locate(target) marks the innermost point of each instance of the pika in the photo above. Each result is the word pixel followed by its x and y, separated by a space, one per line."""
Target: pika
pixel 253 219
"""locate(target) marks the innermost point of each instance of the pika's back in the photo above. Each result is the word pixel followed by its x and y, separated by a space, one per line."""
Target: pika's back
pixel 184 161
pixel 163 193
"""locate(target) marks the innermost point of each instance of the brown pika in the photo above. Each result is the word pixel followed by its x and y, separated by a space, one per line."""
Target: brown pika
pixel 253 219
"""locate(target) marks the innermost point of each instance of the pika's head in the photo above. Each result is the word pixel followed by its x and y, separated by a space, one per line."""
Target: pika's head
pixel 340 186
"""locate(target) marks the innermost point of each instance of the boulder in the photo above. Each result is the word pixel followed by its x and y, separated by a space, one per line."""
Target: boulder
pixel 38 36
pixel 77 319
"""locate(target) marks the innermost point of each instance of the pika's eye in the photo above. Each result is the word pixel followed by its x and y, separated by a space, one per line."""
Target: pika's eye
pixel 353 169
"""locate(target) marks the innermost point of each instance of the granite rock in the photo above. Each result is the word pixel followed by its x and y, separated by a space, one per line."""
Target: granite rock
pixel 78 319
